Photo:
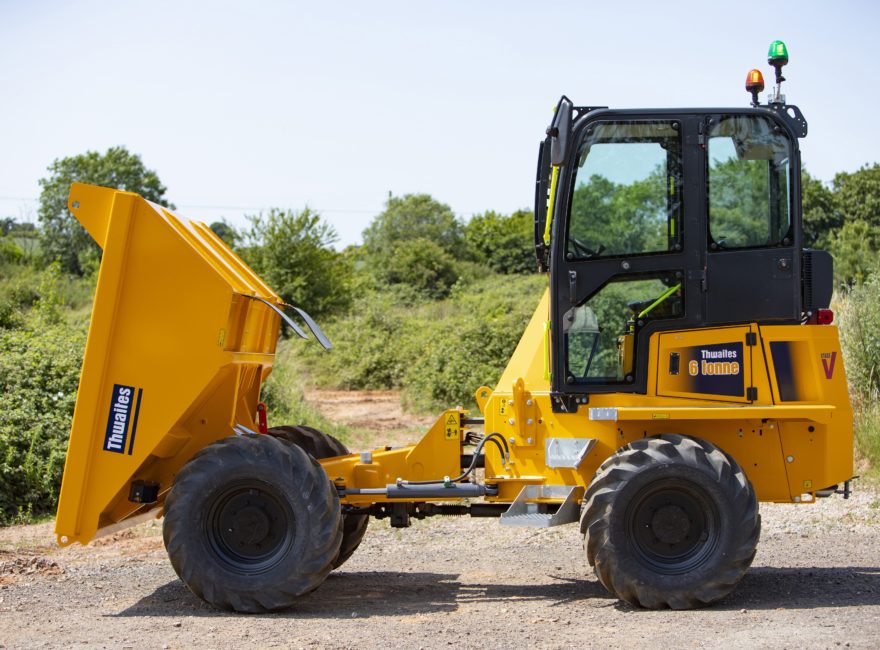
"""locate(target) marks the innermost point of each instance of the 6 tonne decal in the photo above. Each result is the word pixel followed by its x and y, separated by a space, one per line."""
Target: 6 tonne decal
pixel 125 406
pixel 711 369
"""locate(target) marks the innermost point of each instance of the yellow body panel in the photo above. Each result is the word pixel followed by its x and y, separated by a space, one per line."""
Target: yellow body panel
pixel 175 356
pixel 761 434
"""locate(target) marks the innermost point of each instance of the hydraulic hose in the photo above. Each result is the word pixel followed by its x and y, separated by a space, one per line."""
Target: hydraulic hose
pixel 494 437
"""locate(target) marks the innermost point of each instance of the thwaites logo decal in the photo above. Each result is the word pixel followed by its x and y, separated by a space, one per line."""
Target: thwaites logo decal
pixel 125 406
pixel 828 361
pixel 712 369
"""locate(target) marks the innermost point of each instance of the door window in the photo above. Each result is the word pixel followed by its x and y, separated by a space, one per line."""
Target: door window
pixel 627 192
pixel 749 183
pixel 600 334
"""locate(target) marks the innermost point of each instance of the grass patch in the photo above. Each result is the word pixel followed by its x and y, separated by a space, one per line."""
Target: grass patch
pixel 867 437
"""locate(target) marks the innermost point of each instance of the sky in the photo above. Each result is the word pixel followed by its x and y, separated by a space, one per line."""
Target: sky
pixel 244 106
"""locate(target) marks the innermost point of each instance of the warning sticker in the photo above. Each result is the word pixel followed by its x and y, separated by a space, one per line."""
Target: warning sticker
pixel 452 426
pixel 502 406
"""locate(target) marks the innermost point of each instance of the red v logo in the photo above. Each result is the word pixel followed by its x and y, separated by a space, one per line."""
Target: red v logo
pixel 828 364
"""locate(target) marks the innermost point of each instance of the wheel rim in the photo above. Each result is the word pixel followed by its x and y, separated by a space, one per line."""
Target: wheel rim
pixel 250 527
pixel 673 526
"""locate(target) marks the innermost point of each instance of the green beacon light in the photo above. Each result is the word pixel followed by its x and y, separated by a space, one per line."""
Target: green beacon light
pixel 777 56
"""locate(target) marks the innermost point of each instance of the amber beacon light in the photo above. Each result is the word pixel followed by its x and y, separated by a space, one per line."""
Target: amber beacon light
pixel 754 84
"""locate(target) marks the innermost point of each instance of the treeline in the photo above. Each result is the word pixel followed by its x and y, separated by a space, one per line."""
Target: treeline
pixel 429 304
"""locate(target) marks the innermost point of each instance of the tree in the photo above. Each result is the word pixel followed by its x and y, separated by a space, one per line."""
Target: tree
pixel 618 218
pixel 854 248
pixel 739 203
pixel 416 230
pixel 414 216
pixel 821 215
pixel 421 264
pixel 858 194
pixel 504 243
pixel 293 253
pixel 64 239
pixel 226 232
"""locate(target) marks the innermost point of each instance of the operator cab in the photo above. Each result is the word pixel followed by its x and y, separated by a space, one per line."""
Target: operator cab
pixel 668 219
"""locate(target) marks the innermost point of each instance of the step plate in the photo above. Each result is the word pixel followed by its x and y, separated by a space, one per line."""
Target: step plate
pixel 524 512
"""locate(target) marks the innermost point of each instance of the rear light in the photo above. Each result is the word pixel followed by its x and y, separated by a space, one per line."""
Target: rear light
pixel 824 316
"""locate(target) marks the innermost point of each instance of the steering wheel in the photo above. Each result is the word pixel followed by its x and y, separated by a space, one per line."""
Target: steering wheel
pixel 584 250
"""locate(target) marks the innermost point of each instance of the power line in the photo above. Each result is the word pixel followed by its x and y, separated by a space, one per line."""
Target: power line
pixel 250 208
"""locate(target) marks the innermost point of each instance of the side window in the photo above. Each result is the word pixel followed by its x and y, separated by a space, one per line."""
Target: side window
pixel 749 183
pixel 627 192
pixel 599 334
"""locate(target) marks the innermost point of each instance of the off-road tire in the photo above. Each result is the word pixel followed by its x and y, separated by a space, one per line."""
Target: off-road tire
pixel 670 521
pixel 323 445
pixel 251 523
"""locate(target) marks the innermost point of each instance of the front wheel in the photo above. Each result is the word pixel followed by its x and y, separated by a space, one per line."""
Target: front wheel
pixel 252 523
pixel 670 521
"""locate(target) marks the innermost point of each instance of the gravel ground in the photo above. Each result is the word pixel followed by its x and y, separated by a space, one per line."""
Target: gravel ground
pixel 454 582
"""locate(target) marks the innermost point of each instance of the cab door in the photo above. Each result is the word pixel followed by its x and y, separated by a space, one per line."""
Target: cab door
pixel 753 236
pixel 627 248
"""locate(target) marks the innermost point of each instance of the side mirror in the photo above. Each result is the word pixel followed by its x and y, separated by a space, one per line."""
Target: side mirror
pixel 542 192
pixel 559 131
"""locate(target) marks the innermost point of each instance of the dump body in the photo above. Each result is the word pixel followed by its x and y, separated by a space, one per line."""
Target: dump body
pixel 178 345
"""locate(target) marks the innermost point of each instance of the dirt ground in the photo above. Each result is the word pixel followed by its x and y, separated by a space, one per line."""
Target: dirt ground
pixel 451 582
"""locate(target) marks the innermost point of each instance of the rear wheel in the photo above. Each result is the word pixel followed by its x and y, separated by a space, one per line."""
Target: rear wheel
pixel 670 521
pixel 252 523
pixel 323 445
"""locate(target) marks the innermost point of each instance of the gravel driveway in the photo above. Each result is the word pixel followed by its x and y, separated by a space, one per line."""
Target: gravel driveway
pixel 456 582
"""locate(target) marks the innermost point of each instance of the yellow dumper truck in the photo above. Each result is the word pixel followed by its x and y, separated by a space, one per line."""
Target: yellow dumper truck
pixel 681 367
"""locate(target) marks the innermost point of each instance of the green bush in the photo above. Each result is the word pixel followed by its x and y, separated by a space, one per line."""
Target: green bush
pixel 10 252
pixel 365 340
pixel 858 311
pixel 19 287
pixel 39 373
pixel 867 432
pixel 420 264
pixel 504 243
pixel 854 247
pixel 283 394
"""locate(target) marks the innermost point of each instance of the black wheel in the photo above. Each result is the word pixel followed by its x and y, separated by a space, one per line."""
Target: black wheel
pixel 323 445
pixel 670 521
pixel 251 523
